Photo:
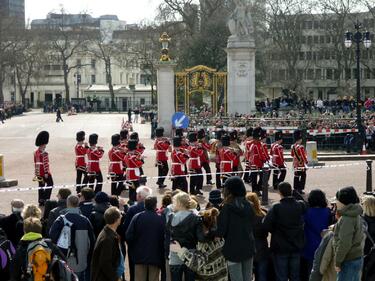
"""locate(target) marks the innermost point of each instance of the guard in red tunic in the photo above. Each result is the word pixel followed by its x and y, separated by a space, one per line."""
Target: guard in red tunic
pixel 257 161
pixel 179 158
pixel 180 133
pixel 227 158
pixel 81 151
pixel 162 145
pixel 194 165
pixel 233 135
pixel 204 158
pixel 299 162
pixel 247 143
pixel 133 163
pixel 116 157
pixel 42 170
pixel 267 165
pixel 215 149
pixel 140 149
pixel 94 154
pixel 124 134
pixel 278 162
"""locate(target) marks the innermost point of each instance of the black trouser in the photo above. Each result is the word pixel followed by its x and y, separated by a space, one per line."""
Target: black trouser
pixel 207 168
pixel 299 180
pixel 246 175
pixel 196 181
pixel 278 177
pixel 256 183
pixel 99 181
pixel 59 118
pixel 180 182
pixel 162 172
pixel 79 183
pixel 117 184
pixel 45 194
pixel 218 177
pixel 132 190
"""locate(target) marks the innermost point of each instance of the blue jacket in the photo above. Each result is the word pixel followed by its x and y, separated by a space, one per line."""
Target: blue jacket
pixel 146 234
pixel 86 208
pixel 316 220
pixel 133 210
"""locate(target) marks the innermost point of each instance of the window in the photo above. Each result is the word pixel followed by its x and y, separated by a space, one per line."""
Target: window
pixel 327 55
pixel 316 25
pixel 107 78
pixel 328 39
pixel 143 101
pixel 320 55
pixel 316 39
pixel 309 24
pixel 301 55
pixel 321 39
pixel 367 73
pixel 355 73
pixel 56 67
pixel 282 74
pixel 308 56
pixel 348 74
pixel 79 63
pixel 303 39
pixel 93 63
pixel 318 74
pixel 309 40
pixel 336 74
pixel 47 67
pixel 310 74
pixel 93 79
pixel 329 75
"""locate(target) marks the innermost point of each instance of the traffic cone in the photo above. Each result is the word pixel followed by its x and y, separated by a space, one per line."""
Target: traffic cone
pixel 364 151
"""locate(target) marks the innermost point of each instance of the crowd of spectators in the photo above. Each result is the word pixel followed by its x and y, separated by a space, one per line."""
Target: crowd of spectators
pixel 232 238
pixel 9 109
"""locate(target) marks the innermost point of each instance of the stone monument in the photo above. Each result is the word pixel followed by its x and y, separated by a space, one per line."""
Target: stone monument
pixel 241 60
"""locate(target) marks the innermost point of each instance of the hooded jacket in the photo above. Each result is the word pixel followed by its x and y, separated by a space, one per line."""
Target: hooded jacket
pixel 235 225
pixel 348 239
pixel 97 217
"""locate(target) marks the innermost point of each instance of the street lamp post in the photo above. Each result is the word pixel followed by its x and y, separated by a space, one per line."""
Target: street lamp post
pixel 358 37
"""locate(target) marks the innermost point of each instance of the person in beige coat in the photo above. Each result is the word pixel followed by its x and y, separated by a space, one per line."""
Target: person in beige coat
pixel 327 264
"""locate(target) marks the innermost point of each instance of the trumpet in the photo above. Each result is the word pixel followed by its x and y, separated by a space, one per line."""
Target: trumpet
pixel 38 179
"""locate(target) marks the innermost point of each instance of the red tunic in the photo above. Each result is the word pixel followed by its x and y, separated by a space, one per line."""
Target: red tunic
pixel 227 159
pixel 247 149
pixel 299 156
pixel 206 148
pixel 81 151
pixel 133 162
pixel 265 149
pixel 277 153
pixel 41 162
pixel 141 148
pixel 116 157
pixel 257 156
pixel 179 159
pixel 94 154
pixel 195 153
pixel 161 146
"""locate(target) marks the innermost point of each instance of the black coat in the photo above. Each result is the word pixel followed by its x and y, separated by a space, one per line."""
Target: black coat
pixel 261 243
pixel 236 225
pixel 146 234
pixel 9 225
pixel 286 224
pixel 86 208
pixel 97 217
pixel 55 213
pixel 370 221
pixel 106 256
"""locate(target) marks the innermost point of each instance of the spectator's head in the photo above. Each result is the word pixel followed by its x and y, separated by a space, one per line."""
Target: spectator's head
pixel 87 194
pixel 317 199
pixel 253 198
pixel 183 202
pixel 195 198
pixel 17 206
pixel 285 189
pixel 32 224
pixel 113 200
pixel 209 218
pixel 166 200
pixel 233 187
pixel 215 198
pixel 72 201
pixel 151 203
pixel 143 192
pixel 112 217
pixel 101 198
pixel 346 196
pixel 31 211
pixel 63 193
pixel 368 204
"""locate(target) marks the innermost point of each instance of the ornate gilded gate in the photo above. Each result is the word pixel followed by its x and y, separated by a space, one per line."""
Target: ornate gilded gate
pixel 201 87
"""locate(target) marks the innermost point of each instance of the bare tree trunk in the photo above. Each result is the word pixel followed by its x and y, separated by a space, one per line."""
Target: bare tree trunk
pixel 66 84
pixel 110 85
pixel 1 87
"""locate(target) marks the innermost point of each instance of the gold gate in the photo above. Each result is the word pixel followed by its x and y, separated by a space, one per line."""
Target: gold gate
pixel 201 88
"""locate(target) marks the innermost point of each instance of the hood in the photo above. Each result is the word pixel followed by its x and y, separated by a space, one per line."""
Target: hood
pixel 101 207
pixel 179 217
pixel 240 206
pixel 31 236
pixel 351 210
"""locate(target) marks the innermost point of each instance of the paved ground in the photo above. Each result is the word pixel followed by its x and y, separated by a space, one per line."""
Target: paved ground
pixel 17 137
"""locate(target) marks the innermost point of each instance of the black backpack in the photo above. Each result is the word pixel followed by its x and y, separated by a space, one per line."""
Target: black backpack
pixel 7 252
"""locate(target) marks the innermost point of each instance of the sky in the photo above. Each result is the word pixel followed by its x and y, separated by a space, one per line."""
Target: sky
pixel 131 11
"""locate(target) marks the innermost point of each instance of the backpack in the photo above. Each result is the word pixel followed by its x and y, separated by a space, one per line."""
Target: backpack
pixel 66 239
pixel 7 252
pixel 39 259
pixel 368 271
pixel 61 271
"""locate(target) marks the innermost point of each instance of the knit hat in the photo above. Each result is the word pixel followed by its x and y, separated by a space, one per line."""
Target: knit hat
pixel 93 139
pixel 214 197
pixel 235 186
pixel 115 141
pixel 42 138
pixel 101 197
pixel 80 136
pixel 347 195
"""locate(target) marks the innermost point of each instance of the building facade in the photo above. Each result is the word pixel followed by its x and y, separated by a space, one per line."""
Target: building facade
pixel 13 9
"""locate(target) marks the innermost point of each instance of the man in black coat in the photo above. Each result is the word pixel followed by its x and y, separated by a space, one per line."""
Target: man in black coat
pixel 146 233
pixel 9 223
pixel 62 195
pixel 286 224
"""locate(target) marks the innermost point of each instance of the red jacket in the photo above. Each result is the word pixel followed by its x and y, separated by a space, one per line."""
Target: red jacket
pixel 81 151
pixel 247 149
pixel 161 146
pixel 41 162
pixel 133 162
pixel 141 148
pixel 179 159
pixel 257 155
pixel 265 149
pixel 206 148
pixel 93 155
pixel 277 153
pixel 116 157
pixel 299 156
pixel 195 153
pixel 227 158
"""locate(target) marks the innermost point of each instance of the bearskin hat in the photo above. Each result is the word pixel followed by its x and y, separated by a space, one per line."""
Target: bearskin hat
pixel 177 141
pixel 115 140
pixel 249 132
pixel 93 139
pixel 219 134
pixel 124 134
pixel 263 134
pixel 132 144
pixel 225 140
pixel 42 138
pixel 179 132
pixel 297 135
pixel 80 136
pixel 134 136
pixel 159 132
pixel 278 135
pixel 201 134
pixel 257 133
pixel 233 135
pixel 192 137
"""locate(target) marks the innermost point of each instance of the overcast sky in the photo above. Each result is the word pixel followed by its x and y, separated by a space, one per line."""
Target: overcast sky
pixel 131 11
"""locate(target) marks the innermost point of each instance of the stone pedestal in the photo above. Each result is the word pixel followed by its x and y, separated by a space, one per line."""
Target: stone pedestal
pixel 241 75
pixel 166 103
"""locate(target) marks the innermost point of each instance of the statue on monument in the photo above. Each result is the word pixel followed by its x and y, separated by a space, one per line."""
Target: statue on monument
pixel 240 23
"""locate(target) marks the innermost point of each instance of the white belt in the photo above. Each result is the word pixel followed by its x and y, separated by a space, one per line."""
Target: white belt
pixel 80 156
pixel 93 161
pixel 38 163
pixel 115 162
pixel 137 172
pixel 178 164
pixel 227 162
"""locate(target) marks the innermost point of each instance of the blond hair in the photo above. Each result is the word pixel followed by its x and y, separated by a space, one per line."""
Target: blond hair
pixel 183 200
pixel 32 225
pixel 254 200
pixel 32 211
pixel 368 204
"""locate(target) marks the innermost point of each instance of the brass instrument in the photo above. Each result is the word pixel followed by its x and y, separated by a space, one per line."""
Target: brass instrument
pixel 38 179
